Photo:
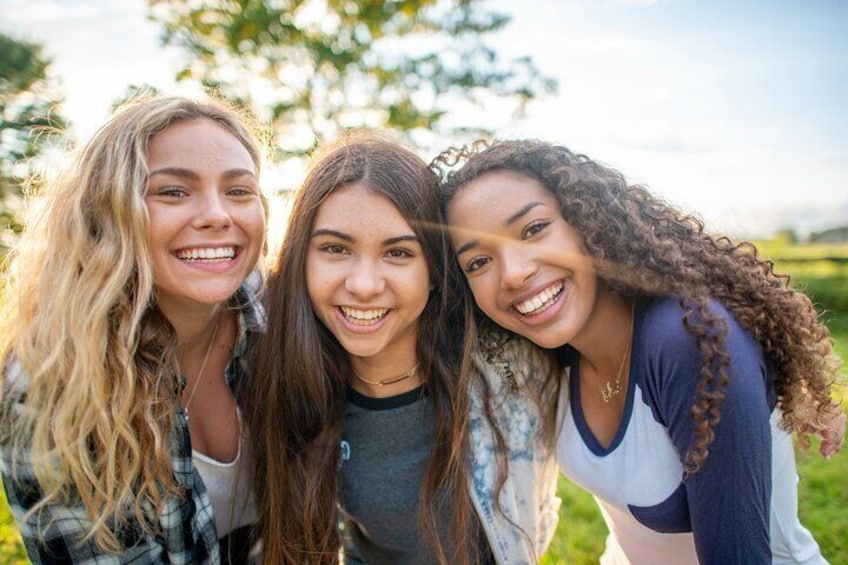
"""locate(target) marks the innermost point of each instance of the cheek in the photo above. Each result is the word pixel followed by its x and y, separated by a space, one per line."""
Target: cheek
pixel 319 302
pixel 158 225
pixel 485 300
pixel 254 223
pixel 421 284
pixel 484 296
pixel 156 268
pixel 314 281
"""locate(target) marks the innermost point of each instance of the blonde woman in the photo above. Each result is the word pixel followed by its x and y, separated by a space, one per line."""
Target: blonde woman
pixel 126 309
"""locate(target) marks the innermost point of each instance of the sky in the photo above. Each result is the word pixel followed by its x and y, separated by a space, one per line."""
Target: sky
pixel 734 110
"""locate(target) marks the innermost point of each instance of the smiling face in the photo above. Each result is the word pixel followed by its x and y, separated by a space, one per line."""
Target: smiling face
pixel 367 277
pixel 527 267
pixel 206 218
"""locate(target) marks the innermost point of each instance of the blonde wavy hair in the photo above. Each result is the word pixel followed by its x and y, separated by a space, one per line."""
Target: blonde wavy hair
pixel 78 317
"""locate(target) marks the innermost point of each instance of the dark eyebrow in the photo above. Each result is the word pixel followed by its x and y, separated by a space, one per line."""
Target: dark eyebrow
pixel 511 220
pixel 191 175
pixel 235 173
pixel 466 247
pixel 176 172
pixel 521 212
pixel 332 233
pixel 400 238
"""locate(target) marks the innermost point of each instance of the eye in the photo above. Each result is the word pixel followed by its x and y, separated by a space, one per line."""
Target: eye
pixel 398 253
pixel 333 248
pixel 171 192
pixel 534 228
pixel 476 263
pixel 240 191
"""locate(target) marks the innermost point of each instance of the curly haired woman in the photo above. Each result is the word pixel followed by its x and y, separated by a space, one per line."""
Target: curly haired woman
pixel 126 308
pixel 690 361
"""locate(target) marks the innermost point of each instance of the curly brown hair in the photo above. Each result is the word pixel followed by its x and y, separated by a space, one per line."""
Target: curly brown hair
pixel 642 246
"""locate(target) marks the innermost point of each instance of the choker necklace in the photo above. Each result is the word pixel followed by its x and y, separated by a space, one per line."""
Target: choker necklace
pixel 385 382
pixel 609 391
pixel 202 366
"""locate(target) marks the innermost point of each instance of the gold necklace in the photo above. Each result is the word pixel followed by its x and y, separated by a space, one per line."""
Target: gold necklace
pixel 202 366
pixel 386 382
pixel 609 391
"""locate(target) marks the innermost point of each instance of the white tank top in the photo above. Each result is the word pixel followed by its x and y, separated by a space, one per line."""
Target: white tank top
pixel 229 489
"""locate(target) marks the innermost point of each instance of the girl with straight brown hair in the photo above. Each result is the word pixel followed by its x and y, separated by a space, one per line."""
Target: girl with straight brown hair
pixel 368 395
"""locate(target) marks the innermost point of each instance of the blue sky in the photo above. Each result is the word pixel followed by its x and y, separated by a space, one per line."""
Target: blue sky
pixel 735 110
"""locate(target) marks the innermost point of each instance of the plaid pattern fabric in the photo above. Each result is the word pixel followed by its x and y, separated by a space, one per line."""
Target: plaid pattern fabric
pixel 187 524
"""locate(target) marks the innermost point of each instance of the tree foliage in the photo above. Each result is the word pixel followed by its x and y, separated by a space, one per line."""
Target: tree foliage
pixel 313 68
pixel 29 119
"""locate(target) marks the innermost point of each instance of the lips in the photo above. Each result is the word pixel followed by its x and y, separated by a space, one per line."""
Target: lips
pixel 363 317
pixel 207 254
pixel 541 302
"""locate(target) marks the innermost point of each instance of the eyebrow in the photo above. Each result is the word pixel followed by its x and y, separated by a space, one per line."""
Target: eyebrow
pixel 512 219
pixel 332 233
pixel 192 175
pixel 346 237
pixel 466 247
pixel 509 221
pixel 401 238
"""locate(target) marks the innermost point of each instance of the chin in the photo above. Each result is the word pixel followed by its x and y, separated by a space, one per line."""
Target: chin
pixel 544 339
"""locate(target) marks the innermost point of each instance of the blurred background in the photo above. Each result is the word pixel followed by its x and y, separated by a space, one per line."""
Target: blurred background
pixel 733 110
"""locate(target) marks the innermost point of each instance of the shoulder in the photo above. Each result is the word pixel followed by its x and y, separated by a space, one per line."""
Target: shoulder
pixel 666 346
pixel 248 302
pixel 662 321
pixel 15 382
pixel 508 360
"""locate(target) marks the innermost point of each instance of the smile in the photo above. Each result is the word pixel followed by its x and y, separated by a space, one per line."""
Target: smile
pixel 541 301
pixel 363 317
pixel 207 254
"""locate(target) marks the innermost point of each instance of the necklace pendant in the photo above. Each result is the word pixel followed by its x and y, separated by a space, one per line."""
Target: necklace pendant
pixel 609 393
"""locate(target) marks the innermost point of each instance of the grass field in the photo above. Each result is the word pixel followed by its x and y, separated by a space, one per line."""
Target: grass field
pixel 823 490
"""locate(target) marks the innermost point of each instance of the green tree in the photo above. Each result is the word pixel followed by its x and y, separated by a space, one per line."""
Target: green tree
pixel 29 121
pixel 312 68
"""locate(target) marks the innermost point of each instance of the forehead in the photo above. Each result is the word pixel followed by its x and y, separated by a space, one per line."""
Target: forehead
pixel 199 142
pixel 358 208
pixel 496 195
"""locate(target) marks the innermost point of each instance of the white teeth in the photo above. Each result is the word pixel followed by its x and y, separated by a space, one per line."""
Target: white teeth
pixel 364 317
pixel 541 301
pixel 207 254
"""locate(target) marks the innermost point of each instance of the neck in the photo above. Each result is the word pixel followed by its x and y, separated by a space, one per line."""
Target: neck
pixel 381 380
pixel 193 323
pixel 607 333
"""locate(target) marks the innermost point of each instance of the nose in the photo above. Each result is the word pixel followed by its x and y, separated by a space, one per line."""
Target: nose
pixel 213 212
pixel 517 267
pixel 364 279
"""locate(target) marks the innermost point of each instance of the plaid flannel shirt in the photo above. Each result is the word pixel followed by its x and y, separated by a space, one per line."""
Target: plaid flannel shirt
pixel 187 524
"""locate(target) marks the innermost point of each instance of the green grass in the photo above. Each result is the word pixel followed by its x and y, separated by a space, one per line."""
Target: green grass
pixel 11 546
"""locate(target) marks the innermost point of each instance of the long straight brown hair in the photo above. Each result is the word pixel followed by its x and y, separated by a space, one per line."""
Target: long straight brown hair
pixel 297 393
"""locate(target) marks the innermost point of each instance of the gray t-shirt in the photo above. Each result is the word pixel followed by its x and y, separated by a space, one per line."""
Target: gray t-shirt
pixel 386 442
